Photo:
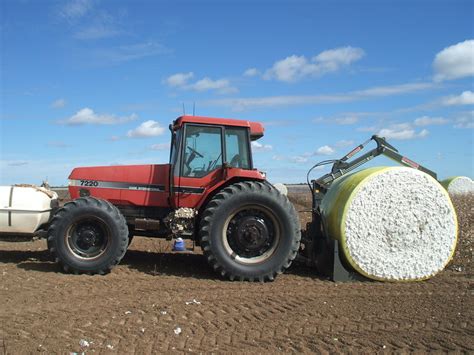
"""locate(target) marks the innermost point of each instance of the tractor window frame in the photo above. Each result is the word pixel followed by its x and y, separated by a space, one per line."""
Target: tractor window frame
pixel 175 159
pixel 183 148
pixel 248 144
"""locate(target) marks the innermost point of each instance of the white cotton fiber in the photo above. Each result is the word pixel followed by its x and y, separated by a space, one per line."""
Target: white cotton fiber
pixel 460 185
pixel 400 225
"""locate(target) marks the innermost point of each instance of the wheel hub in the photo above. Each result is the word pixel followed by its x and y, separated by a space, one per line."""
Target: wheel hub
pixel 250 233
pixel 87 239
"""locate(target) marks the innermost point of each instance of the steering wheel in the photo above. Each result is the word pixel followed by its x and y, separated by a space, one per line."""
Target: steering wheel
pixel 195 152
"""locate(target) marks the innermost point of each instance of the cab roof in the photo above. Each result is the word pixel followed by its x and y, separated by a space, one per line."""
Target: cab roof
pixel 256 128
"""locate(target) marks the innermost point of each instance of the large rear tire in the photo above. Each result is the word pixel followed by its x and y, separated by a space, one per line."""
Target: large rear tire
pixel 249 231
pixel 88 235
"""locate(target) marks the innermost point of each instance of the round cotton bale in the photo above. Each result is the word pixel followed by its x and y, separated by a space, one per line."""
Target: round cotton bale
pixel 393 223
pixel 459 185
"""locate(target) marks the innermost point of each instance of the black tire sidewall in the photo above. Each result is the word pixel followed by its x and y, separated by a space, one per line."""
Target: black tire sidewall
pixel 272 204
pixel 102 262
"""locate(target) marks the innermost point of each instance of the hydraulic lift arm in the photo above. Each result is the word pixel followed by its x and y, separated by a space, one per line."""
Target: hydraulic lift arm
pixel 344 166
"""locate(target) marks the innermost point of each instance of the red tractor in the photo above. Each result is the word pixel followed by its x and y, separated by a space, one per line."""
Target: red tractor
pixel 209 192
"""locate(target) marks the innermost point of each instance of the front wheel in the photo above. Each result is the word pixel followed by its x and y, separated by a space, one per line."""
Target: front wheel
pixel 249 231
pixel 88 235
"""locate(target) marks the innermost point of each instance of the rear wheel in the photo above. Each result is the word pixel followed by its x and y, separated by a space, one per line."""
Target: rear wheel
pixel 88 235
pixel 249 231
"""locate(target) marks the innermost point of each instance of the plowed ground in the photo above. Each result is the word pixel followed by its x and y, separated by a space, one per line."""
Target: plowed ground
pixel 140 304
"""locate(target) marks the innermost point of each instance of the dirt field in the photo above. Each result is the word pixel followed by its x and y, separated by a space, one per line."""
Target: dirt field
pixel 154 293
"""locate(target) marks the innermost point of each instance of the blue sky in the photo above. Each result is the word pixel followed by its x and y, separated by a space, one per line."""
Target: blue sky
pixel 91 82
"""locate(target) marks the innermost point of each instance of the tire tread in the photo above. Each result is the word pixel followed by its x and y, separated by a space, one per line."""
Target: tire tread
pixel 254 187
pixel 86 203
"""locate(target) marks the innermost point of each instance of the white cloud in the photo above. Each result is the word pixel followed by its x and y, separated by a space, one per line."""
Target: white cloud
pixel 465 120
pixel 304 158
pixel 390 90
pixel 369 129
pixel 102 25
pixel 455 62
pixel 324 150
pixel 259 147
pixel 88 116
pixel 146 129
pixel 299 159
pixel 407 130
pixel 251 72
pixel 346 120
pixel 220 85
pixel 240 104
pixel 294 68
pixel 402 131
pixel 59 103
pixel 465 98
pixel 289 69
pixel 424 133
pixel 74 9
pixel 160 146
pixel 86 22
pixel 307 156
pixel 179 79
pixel 126 53
pixel 430 121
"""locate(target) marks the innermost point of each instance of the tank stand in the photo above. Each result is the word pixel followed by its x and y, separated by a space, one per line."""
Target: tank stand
pixel 340 273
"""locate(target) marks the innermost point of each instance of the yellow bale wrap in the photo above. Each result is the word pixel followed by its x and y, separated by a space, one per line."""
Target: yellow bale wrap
pixel 338 200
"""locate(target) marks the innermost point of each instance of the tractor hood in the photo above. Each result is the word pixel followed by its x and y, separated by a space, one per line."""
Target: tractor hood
pixel 121 184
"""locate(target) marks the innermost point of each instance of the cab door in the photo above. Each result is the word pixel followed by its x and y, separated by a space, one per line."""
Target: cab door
pixel 198 165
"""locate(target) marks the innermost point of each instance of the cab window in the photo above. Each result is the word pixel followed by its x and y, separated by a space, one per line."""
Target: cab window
pixel 202 150
pixel 237 147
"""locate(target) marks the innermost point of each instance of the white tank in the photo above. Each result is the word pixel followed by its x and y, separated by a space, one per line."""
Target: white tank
pixel 24 208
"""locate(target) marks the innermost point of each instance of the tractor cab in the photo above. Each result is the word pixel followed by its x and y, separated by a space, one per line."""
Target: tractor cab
pixel 206 152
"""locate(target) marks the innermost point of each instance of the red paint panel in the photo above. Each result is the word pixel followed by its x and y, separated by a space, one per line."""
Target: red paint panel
pixel 133 174
pixel 210 183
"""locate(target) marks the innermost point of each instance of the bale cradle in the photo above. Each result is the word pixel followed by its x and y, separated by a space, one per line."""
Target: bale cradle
pixel 392 223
